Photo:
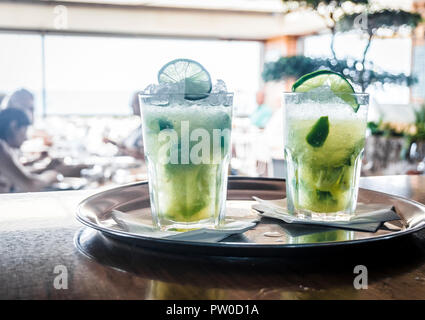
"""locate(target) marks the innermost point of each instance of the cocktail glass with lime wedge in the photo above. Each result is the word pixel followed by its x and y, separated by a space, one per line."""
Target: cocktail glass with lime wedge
pixel 325 124
pixel 186 131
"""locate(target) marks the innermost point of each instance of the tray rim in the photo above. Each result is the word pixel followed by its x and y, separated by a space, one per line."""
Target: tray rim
pixel 240 245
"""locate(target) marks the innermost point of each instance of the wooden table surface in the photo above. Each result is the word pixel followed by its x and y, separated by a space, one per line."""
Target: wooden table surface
pixel 37 233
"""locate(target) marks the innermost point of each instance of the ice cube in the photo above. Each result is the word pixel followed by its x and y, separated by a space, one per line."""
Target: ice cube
pixel 159 100
pixel 219 86
pixel 213 99
pixel 173 93
pixel 164 93
pixel 150 89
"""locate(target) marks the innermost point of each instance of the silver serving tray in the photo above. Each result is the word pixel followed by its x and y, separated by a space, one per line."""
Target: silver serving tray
pixel 133 199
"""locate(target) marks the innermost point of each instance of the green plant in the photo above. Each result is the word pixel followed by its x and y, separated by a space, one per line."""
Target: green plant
pixel 411 133
pixel 386 18
pixel 296 66
pixel 415 135
pixel 419 135
pixel 381 128
pixel 392 20
pixel 337 19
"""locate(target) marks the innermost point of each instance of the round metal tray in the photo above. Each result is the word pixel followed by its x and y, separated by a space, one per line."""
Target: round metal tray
pixel 133 199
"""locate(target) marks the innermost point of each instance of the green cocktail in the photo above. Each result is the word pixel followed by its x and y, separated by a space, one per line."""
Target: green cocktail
pixel 187 149
pixel 324 142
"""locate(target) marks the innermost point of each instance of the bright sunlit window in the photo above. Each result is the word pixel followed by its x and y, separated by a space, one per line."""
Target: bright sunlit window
pixel 21 63
pixel 98 75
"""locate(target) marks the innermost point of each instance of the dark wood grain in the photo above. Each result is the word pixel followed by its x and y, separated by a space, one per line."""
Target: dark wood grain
pixel 37 233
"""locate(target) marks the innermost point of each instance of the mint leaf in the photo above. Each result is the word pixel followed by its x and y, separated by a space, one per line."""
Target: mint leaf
pixel 318 133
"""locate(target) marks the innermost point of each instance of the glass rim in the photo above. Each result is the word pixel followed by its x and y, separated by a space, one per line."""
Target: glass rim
pixel 289 93
pixel 205 95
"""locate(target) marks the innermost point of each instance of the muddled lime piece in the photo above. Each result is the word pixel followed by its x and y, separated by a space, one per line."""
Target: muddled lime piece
pixel 195 78
pixel 337 83
pixel 319 132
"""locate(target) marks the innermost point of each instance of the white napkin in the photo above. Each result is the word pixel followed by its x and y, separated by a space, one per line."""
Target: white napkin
pixel 203 235
pixel 368 217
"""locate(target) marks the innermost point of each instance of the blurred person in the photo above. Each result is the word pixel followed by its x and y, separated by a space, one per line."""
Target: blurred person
pixel 263 113
pixel 14 177
pixel 22 99
pixel 132 145
pixel 2 96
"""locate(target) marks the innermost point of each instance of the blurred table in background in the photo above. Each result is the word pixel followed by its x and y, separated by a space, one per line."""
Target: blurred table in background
pixel 79 141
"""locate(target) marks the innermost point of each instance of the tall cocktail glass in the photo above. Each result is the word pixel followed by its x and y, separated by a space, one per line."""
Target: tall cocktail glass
pixel 324 142
pixel 187 149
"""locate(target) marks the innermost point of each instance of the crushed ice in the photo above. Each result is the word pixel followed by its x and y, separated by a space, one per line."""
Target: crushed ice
pixel 165 94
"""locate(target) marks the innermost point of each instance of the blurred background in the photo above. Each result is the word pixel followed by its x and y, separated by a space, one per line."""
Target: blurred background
pixel 73 68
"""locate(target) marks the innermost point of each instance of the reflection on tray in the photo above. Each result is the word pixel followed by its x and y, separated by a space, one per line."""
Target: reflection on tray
pixel 133 200
pixel 161 290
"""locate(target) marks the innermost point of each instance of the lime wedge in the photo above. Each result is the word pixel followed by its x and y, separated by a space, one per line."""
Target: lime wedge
pixel 325 78
pixel 196 80
pixel 319 132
